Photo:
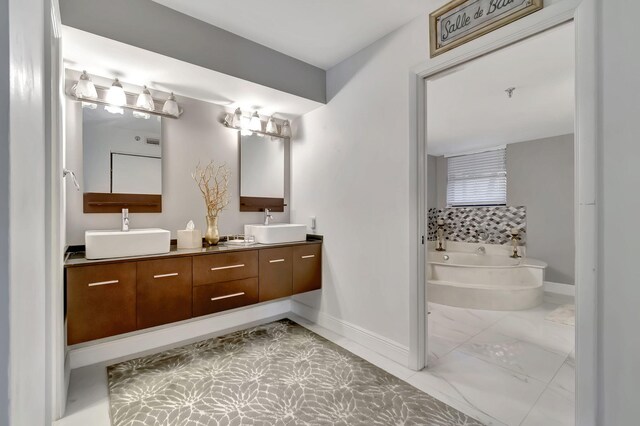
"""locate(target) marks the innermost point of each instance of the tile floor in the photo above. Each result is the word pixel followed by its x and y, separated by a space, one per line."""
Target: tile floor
pixel 502 368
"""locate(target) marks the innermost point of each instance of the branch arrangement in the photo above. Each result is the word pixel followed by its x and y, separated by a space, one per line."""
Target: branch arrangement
pixel 213 182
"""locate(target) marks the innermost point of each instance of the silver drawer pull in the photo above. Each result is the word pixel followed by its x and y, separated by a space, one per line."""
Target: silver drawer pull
pixel 309 256
pixel 104 283
pixel 174 274
pixel 219 268
pixel 276 260
pixel 213 299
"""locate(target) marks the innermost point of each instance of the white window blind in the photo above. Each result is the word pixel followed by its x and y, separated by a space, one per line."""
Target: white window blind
pixel 477 179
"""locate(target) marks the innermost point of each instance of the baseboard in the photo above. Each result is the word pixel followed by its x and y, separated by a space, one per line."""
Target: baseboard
pixel 559 288
pixel 382 345
pixel 178 334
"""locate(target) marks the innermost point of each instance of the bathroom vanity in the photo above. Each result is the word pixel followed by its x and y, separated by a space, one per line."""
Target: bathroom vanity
pixel 114 296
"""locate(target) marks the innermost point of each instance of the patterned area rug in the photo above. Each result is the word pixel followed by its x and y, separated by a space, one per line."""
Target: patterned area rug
pixel 276 374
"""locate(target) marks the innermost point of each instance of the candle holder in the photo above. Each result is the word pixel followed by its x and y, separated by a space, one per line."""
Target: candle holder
pixel 440 235
pixel 515 237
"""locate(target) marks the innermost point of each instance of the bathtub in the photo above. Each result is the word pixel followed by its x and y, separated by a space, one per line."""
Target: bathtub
pixel 485 281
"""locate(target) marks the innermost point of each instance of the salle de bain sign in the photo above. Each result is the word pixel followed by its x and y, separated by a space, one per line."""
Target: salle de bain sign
pixel 461 21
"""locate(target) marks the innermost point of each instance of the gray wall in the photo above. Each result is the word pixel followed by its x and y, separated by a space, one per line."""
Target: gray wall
pixel 540 176
pixel 619 203
pixel 198 136
pixel 4 212
pixel 151 26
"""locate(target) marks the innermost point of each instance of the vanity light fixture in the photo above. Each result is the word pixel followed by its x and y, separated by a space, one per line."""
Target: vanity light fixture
pixel 255 123
pixel 286 129
pixel 145 101
pixel 171 106
pixel 85 88
pixel 272 127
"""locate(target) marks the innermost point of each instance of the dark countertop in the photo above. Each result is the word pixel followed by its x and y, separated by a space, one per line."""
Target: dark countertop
pixel 76 258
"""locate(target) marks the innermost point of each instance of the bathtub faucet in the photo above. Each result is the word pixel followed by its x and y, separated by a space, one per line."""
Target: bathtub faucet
pixel 481 250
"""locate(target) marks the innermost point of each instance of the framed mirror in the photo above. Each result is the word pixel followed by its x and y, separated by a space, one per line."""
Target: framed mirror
pixel 262 173
pixel 122 161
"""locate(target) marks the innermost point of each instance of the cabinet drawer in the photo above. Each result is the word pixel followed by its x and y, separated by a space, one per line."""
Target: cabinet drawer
pixel 216 268
pixel 307 268
pixel 101 301
pixel 275 273
pixel 208 299
pixel 164 291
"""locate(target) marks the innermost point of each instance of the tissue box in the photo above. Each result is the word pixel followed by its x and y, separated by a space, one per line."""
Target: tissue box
pixel 189 239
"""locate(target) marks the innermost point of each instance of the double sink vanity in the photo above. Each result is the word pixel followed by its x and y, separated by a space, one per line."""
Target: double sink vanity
pixel 112 296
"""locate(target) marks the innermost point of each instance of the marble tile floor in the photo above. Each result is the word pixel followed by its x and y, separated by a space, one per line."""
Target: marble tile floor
pixel 494 366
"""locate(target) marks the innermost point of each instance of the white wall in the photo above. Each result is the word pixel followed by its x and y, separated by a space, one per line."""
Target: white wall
pixel 27 371
pixel 619 160
pixel 540 176
pixel 198 136
pixel 351 163
pixel 4 212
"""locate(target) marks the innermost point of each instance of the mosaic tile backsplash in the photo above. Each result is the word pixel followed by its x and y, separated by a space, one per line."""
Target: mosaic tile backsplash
pixel 466 224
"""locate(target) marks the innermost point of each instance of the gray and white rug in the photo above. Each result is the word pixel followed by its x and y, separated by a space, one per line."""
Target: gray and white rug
pixel 275 374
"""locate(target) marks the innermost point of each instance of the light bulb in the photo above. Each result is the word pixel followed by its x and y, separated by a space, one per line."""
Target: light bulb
pixel 171 106
pixel 145 101
pixel 286 129
pixel 272 127
pixel 115 95
pixel 85 87
pixel 255 124
pixel 237 119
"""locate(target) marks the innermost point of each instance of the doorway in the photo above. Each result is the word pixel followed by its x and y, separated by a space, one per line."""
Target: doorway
pixel 500 230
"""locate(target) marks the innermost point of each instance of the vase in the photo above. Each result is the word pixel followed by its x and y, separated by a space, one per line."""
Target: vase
pixel 212 236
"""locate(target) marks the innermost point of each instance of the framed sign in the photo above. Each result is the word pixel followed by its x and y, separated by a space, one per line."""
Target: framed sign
pixel 461 21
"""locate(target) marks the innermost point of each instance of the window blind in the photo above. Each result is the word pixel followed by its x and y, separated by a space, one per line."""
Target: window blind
pixel 477 179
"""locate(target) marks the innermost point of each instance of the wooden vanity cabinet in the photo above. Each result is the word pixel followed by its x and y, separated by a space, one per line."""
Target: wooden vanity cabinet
pixel 224 281
pixel 116 297
pixel 163 291
pixel 101 301
pixel 276 273
pixel 307 268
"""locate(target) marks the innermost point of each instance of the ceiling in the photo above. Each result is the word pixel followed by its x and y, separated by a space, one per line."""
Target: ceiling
pixel 321 33
pixel 468 108
pixel 104 57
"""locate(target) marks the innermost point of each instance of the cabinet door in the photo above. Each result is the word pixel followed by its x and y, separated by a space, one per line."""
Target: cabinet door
pixel 276 273
pixel 164 291
pixel 101 301
pixel 216 268
pixel 307 268
pixel 208 299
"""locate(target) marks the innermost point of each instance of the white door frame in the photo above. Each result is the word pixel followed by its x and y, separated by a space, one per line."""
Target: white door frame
pixel 583 13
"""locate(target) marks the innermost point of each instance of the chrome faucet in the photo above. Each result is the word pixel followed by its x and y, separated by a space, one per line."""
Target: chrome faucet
pixel 267 216
pixel 481 250
pixel 125 220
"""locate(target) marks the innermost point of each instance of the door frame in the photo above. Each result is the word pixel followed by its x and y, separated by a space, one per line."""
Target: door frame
pixel 583 13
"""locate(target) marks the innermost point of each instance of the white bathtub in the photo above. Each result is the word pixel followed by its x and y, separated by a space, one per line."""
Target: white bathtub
pixel 485 281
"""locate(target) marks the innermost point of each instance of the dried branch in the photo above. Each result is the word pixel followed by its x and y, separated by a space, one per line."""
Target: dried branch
pixel 213 182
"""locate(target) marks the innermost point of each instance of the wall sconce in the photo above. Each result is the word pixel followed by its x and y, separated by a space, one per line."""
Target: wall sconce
pixel 116 98
pixel 171 106
pixel 286 129
pixel 255 124
pixel 85 88
pixel 272 127
pixel 145 101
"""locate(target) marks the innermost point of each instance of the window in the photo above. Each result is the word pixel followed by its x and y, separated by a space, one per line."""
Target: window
pixel 477 179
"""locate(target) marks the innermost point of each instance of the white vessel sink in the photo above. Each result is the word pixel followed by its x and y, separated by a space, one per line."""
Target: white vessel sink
pixel 135 242
pixel 277 233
